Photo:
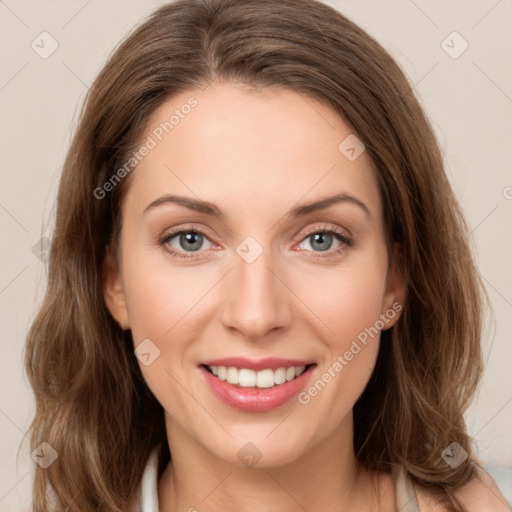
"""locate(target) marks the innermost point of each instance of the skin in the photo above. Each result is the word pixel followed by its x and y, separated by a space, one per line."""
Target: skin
pixel 255 155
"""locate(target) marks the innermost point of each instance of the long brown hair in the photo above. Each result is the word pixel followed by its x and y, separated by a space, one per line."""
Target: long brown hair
pixel 93 406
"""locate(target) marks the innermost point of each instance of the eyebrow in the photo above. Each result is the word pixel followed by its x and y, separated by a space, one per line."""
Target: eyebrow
pixel 211 209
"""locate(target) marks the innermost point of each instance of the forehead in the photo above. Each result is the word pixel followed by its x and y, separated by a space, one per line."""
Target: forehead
pixel 251 150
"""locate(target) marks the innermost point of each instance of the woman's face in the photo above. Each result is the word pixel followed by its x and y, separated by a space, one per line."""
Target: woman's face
pixel 262 270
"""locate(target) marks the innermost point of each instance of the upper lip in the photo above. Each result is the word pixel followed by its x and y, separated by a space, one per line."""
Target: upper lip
pixel 256 364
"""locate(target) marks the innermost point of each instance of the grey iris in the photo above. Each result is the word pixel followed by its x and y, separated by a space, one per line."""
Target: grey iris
pixel 194 239
pixel 319 239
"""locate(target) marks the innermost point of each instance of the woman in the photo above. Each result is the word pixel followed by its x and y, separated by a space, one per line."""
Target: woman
pixel 260 290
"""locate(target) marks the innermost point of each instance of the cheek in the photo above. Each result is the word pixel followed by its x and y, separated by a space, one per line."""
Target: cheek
pixel 161 297
pixel 165 306
pixel 348 303
pixel 346 299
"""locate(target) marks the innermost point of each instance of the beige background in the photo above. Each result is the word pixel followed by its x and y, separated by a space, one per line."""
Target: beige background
pixel 468 99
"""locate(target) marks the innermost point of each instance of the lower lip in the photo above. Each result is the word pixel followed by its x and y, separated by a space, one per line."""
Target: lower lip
pixel 256 399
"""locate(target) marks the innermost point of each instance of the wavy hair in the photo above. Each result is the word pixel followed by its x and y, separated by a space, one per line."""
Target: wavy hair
pixel 92 403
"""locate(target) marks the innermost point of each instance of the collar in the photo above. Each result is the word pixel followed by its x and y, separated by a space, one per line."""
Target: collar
pixel 149 484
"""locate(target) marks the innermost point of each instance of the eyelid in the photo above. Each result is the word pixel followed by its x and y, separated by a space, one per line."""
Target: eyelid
pixel 325 227
pixel 187 227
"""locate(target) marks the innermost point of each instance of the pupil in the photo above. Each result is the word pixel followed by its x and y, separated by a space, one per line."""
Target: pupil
pixel 318 238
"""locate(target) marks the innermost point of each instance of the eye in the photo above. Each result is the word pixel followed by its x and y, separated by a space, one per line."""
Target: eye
pixel 184 241
pixel 322 239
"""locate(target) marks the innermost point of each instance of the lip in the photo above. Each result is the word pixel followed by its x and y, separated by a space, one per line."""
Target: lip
pixel 272 363
pixel 252 399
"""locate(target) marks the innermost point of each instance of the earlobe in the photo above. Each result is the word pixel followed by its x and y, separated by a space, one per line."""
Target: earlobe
pixel 395 295
pixel 113 290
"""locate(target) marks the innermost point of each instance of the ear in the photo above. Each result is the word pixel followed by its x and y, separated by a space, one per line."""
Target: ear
pixel 396 289
pixel 113 290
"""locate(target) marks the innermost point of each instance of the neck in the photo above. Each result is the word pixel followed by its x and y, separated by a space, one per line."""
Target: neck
pixel 326 478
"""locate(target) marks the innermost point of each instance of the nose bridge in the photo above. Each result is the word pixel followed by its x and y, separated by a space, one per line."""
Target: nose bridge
pixel 256 302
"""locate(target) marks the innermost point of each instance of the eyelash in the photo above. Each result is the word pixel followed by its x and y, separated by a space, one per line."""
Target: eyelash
pixel 346 241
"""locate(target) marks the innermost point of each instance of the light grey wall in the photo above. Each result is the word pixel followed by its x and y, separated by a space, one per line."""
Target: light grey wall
pixel 468 99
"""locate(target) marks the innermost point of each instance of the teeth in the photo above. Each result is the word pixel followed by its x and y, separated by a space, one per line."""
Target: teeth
pixel 246 377
pixel 280 375
pixel 222 370
pixel 232 375
pixel 263 379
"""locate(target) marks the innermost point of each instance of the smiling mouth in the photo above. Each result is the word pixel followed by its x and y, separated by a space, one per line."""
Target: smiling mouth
pixel 262 379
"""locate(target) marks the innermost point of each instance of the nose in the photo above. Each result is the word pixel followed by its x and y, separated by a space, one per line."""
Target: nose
pixel 257 302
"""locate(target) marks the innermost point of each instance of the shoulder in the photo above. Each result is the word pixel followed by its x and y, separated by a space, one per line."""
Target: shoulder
pixel 478 495
pixel 482 493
